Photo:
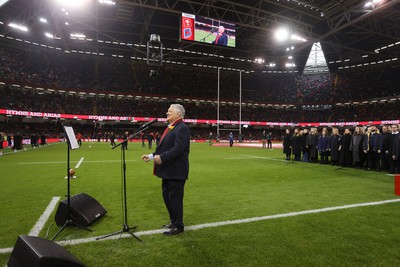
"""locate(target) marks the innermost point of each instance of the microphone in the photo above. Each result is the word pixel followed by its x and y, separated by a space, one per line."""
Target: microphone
pixel 147 124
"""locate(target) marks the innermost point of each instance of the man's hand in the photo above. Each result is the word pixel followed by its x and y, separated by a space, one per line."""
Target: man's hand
pixel 157 159
pixel 145 158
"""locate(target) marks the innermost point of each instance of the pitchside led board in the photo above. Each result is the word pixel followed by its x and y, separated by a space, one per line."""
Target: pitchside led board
pixel 205 30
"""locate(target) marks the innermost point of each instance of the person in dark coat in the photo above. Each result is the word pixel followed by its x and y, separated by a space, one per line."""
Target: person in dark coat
pixel 356 146
pixel 303 142
pixel 171 164
pixel 112 139
pixel 346 154
pixel 385 148
pixel 334 146
pixel 150 138
pixel 269 140
pixel 296 145
pixel 393 145
pixel 312 145
pixel 287 143
pixel 1 143
pixel 323 146
pixel 396 152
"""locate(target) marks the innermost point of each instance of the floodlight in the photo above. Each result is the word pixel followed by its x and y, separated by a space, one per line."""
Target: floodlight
pixel 71 3
pixel 107 2
pixel 296 37
pixel 19 27
pixel 49 35
pixel 2 2
pixel 78 35
pixel 43 20
pixel 282 34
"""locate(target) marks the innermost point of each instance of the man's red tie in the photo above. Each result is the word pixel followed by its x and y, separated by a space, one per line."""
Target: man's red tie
pixel 216 39
pixel 164 134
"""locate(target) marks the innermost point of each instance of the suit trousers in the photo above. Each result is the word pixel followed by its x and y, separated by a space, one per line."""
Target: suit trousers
pixel 172 191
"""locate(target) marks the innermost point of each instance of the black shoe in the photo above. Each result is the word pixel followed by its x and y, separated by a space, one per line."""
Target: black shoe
pixel 173 231
pixel 169 226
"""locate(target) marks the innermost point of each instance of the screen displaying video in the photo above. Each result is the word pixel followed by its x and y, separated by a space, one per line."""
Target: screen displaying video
pixel 207 30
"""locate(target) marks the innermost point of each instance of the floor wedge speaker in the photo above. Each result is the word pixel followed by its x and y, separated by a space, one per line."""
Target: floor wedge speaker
pixel 32 251
pixel 84 210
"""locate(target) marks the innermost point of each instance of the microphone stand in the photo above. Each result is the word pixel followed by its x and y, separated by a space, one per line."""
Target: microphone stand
pixel 125 227
pixel 204 39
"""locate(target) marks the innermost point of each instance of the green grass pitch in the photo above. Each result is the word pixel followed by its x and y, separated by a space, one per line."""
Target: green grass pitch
pixel 224 184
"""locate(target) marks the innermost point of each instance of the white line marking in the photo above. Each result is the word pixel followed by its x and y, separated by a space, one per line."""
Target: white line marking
pixel 216 224
pixel 5 250
pixel 63 162
pixel 45 216
pixel 79 163
pixel 254 157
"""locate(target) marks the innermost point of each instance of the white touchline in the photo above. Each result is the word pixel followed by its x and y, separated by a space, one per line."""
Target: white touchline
pixel 254 157
pixel 45 216
pixel 79 163
pixel 63 162
pixel 223 223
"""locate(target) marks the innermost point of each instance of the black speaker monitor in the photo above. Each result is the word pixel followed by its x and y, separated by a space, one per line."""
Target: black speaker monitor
pixel 32 251
pixel 84 210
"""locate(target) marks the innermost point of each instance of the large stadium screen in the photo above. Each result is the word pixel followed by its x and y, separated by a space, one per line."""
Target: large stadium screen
pixel 207 30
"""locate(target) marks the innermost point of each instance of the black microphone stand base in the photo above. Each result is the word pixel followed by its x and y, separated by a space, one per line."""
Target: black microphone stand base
pixel 70 223
pixel 125 229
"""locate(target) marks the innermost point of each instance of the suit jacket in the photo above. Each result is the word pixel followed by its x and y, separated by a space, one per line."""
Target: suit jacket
pixel 222 40
pixel 174 152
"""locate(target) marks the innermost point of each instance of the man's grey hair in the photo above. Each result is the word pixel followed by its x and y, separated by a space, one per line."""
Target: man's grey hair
pixel 180 109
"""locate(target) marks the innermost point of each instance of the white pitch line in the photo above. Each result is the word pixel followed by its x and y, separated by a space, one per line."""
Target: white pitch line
pixel 223 223
pixel 254 157
pixel 45 216
pixel 63 162
pixel 79 163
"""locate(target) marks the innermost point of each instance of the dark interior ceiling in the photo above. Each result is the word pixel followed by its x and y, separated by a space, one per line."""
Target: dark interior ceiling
pixel 349 32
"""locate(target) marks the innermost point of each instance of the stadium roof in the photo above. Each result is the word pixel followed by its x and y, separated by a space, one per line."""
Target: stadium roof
pixel 350 32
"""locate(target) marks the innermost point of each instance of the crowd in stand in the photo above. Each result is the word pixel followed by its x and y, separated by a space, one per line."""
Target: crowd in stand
pixel 17 99
pixel 46 68
pixel 53 69
pixel 366 148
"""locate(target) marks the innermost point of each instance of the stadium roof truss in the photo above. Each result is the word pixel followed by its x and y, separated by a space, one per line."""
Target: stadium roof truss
pixel 349 32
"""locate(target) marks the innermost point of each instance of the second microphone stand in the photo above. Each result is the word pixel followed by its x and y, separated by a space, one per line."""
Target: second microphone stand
pixel 125 227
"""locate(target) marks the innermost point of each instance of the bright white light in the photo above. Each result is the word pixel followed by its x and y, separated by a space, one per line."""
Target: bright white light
pixel 368 4
pixel 376 1
pixel 71 3
pixel 2 2
pixel 296 37
pixel 78 35
pixel 290 57
pixel 272 64
pixel 290 65
pixel 43 20
pixel 259 60
pixel 49 35
pixel 282 34
pixel 66 23
pixel 107 2
pixel 19 27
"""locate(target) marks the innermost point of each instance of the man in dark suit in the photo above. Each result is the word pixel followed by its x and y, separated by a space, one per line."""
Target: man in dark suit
pixel 222 38
pixel 171 164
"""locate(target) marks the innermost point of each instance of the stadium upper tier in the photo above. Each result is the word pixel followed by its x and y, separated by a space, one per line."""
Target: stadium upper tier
pixel 55 69
pixel 14 98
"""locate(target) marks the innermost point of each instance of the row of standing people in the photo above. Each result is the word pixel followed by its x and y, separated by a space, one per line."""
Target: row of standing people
pixel 368 148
